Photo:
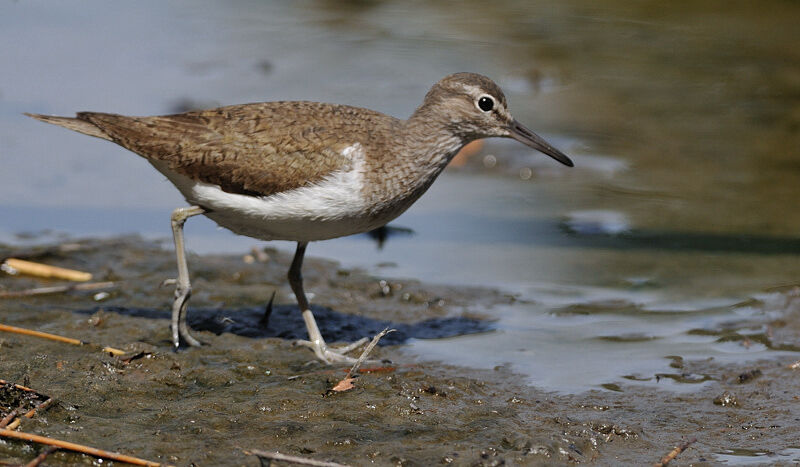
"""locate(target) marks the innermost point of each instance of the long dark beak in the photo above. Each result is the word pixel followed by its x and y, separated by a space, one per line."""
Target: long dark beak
pixel 529 138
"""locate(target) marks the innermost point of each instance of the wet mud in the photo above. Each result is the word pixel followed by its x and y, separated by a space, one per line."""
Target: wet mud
pixel 251 388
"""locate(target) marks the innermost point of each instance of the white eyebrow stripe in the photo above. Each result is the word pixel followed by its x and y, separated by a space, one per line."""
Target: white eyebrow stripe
pixel 474 91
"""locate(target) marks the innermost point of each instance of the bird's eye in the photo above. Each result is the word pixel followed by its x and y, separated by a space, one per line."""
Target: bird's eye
pixel 486 103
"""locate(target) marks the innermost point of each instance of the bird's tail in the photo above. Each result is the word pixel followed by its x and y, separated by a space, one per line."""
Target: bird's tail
pixel 75 124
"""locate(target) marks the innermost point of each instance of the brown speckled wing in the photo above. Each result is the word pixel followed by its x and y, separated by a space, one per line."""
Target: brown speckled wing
pixel 256 149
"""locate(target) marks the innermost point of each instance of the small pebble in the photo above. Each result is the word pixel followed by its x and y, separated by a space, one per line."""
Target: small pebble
pixel 100 296
pixel 749 375
pixel 726 399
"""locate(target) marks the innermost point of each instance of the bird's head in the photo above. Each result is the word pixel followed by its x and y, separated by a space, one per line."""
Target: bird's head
pixel 472 106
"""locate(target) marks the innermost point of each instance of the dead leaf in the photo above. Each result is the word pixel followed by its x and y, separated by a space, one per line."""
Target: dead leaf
pixel 344 385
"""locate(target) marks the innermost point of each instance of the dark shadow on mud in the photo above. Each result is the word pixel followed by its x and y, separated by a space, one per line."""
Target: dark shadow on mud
pixel 286 322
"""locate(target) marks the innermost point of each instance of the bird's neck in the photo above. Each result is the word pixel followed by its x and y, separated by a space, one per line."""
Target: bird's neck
pixel 417 154
pixel 429 142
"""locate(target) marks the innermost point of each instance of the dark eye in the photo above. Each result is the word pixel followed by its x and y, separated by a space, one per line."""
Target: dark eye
pixel 486 103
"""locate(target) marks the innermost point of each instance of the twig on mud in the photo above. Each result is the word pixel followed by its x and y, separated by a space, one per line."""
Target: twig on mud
pixel 57 289
pixel 76 447
pixel 7 419
pixel 47 403
pixel 293 459
pixel 41 457
pixel 55 337
pixel 19 386
pixel 13 425
pixel 29 414
pixel 12 421
pixel 367 351
pixel 674 453
pixel 20 266
pixel 347 383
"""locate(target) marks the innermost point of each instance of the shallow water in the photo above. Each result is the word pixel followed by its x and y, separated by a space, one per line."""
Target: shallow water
pixel 668 238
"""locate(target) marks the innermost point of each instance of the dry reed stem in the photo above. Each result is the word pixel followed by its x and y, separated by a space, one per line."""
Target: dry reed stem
pixel 42 406
pixel 14 425
pixel 7 422
pixel 76 447
pixel 18 386
pixel 674 453
pixel 347 383
pixel 41 457
pixel 56 289
pixel 20 266
pixel 55 337
pixel 366 352
pixel 7 419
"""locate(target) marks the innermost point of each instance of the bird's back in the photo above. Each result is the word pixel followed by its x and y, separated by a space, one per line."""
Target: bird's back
pixel 255 149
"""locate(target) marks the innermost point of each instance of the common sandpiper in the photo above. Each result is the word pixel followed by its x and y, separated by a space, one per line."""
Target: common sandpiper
pixel 306 171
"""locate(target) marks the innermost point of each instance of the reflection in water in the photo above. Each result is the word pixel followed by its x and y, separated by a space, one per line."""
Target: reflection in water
pixel 694 241
pixel 683 121
pixel 384 233
pixel 739 456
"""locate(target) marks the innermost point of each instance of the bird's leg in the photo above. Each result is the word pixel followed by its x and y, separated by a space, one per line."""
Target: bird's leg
pixel 183 289
pixel 315 340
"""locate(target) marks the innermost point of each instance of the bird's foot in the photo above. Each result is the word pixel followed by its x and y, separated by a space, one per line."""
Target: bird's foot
pixel 191 341
pixel 182 336
pixel 331 355
pixel 187 341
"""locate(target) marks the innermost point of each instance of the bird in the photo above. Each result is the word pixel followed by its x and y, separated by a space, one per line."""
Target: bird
pixel 306 171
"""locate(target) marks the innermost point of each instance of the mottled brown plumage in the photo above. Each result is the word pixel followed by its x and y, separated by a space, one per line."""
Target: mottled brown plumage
pixel 306 171
pixel 254 149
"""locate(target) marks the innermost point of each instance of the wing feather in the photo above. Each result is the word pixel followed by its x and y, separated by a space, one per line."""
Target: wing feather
pixel 256 149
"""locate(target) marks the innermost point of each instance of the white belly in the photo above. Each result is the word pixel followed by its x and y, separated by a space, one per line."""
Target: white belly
pixel 296 229
pixel 332 208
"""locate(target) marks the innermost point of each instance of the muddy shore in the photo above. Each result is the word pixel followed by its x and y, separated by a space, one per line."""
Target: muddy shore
pixel 251 388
